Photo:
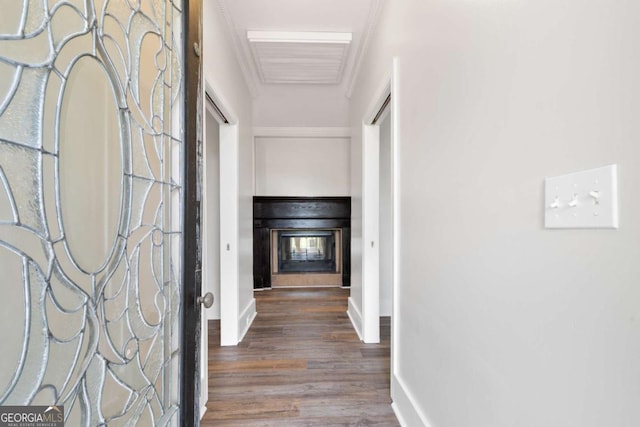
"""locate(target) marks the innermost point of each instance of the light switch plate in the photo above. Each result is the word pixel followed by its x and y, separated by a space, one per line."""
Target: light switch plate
pixel 587 199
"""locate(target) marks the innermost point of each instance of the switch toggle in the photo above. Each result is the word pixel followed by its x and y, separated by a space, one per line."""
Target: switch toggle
pixel 595 194
pixel 574 202
pixel 556 203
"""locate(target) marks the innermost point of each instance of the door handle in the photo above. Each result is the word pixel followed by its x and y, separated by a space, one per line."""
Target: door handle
pixel 206 300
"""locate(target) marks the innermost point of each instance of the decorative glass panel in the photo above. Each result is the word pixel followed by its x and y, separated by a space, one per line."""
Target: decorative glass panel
pixel 90 208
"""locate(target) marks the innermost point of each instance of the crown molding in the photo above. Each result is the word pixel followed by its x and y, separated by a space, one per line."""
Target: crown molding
pixel 302 132
pixel 372 20
pixel 242 56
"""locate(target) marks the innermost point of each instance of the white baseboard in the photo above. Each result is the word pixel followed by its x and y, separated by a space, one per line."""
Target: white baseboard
pixel 355 316
pixel 405 406
pixel 246 319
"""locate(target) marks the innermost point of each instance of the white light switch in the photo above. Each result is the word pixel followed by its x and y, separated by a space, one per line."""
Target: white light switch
pixel 587 199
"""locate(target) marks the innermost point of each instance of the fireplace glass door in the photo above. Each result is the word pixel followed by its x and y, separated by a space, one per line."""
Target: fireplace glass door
pixel 306 251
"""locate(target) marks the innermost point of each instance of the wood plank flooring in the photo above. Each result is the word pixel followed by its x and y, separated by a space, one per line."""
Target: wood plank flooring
pixel 300 364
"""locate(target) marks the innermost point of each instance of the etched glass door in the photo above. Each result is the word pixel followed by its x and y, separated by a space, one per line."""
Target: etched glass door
pixel 91 125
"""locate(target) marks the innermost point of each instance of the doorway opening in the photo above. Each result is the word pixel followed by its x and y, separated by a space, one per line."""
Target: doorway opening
pixel 379 189
pixel 218 222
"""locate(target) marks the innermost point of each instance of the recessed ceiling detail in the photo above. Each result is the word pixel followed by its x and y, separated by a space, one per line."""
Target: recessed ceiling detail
pixel 299 57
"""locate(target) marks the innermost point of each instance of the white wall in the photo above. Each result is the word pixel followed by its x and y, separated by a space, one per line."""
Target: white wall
pixel 301 106
pixel 302 166
pixel 501 322
pixel 224 76
pixel 355 291
pixel 386 210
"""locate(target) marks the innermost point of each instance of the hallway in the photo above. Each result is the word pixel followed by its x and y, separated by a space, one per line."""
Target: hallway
pixel 300 364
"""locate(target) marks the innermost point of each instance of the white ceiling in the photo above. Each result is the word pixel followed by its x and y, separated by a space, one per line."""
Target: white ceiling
pixel 259 61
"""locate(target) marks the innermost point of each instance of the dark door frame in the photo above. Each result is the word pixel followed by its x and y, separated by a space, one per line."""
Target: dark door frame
pixel 192 248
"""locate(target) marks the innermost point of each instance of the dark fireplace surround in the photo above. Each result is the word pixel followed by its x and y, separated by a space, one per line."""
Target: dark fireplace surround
pixel 291 215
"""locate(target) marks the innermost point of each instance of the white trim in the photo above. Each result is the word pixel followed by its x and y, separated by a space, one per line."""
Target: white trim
pixel 204 366
pixel 203 410
pixel 253 163
pixel 210 218
pixel 371 233
pixel 241 51
pixel 229 235
pixel 395 216
pixel 380 95
pixel 385 113
pixel 246 318
pixel 372 20
pixel 355 317
pixel 302 132
pixel 405 405
pixel 212 112
pixel 221 103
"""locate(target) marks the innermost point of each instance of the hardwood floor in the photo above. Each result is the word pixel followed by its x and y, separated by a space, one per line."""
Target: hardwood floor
pixel 300 364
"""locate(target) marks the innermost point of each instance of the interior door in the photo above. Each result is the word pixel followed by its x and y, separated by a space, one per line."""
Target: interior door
pixel 93 222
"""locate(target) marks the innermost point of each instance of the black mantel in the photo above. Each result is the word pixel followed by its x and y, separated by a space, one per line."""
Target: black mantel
pixel 297 213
